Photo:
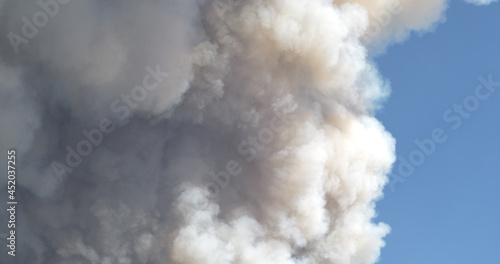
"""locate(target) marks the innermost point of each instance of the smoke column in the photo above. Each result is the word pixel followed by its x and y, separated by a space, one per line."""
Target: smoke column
pixel 213 131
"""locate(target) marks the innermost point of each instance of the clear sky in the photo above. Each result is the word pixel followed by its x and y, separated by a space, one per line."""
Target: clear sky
pixel 448 208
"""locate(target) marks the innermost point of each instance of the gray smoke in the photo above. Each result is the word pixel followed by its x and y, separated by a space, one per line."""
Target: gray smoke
pixel 190 131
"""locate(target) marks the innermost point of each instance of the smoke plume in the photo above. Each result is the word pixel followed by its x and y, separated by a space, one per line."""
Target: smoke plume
pixel 190 131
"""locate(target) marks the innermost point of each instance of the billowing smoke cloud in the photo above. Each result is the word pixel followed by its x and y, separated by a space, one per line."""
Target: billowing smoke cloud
pixel 191 131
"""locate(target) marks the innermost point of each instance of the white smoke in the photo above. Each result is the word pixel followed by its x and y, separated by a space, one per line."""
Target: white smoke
pixel 255 144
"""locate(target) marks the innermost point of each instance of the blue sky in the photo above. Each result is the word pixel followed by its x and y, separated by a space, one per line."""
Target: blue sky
pixel 447 210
